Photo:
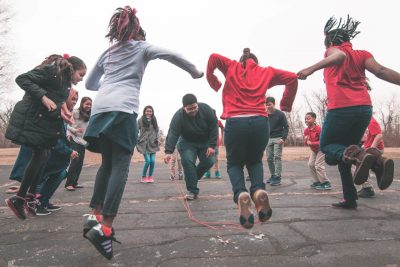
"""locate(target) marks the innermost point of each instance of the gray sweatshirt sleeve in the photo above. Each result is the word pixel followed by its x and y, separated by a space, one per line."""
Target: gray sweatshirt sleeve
pixel 154 52
pixel 93 79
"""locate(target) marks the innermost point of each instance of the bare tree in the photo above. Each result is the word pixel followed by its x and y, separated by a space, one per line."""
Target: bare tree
pixel 316 102
pixel 296 128
pixel 6 51
pixel 389 116
pixel 5 115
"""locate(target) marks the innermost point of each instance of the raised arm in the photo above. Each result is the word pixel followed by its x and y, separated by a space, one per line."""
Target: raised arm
pixel 154 52
pixel 382 72
pixel 219 62
pixel 334 56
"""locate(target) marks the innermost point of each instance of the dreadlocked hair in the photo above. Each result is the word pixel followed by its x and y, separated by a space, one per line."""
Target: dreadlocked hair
pixel 123 25
pixel 153 119
pixel 345 31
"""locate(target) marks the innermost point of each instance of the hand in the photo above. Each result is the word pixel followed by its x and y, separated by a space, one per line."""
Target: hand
pixel 210 152
pixel 48 103
pixel 201 74
pixel 309 142
pixel 167 158
pixel 79 130
pixel 74 155
pixel 303 74
pixel 281 141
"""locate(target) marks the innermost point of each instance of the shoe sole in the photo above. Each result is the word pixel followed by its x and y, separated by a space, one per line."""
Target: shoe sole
pixel 262 206
pixel 388 173
pixel 42 214
pixel 98 247
pixel 361 175
pixel 246 216
pixel 53 209
pixel 344 208
pixel 323 188
pixel 14 210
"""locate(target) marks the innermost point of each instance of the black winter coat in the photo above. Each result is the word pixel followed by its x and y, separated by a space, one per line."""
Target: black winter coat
pixel 31 123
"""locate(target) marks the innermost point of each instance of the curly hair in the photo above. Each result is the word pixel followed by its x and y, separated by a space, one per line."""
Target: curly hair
pixel 344 32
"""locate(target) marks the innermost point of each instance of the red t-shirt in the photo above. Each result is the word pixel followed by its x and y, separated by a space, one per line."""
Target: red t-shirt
pixel 313 134
pixel 373 130
pixel 345 84
pixel 244 89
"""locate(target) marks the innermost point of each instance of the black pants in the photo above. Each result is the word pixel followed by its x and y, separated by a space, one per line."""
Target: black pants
pixel 75 168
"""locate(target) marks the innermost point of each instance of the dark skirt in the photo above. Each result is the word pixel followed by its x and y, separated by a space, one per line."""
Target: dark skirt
pixel 119 127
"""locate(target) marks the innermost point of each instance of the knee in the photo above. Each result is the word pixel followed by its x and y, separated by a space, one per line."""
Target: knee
pixel 331 161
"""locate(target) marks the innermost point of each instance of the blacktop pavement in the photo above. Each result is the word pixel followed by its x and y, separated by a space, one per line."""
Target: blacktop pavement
pixel 156 230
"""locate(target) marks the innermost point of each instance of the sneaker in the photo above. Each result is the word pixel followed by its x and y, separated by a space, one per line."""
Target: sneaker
pixel 263 208
pixel 270 179
pixel 190 195
pixel 246 218
pixel 42 211
pixel 89 223
pixel 52 207
pixel 180 176
pixel 150 180
pixel 345 205
pixel 324 186
pixel 102 243
pixel 207 175
pixel 314 185
pixel 144 180
pixel 275 181
pixel 218 175
pixel 17 206
pixel 367 192
pixel 31 203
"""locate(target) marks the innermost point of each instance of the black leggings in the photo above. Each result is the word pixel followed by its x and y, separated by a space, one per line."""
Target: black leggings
pixel 34 171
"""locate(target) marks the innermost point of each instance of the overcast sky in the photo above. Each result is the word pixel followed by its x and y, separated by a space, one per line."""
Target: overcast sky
pixel 285 34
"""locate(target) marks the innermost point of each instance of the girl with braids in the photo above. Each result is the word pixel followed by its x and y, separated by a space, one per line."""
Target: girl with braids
pixel 247 127
pixel 112 128
pixel 76 131
pixel 148 143
pixel 349 108
pixel 37 119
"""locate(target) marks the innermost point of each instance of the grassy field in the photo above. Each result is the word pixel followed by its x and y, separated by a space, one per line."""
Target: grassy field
pixel 8 155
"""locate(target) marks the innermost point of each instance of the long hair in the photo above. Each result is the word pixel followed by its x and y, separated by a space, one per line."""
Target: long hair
pixel 153 119
pixel 345 31
pixel 123 25
pixel 83 114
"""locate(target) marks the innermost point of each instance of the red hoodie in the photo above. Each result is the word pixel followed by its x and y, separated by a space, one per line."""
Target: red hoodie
pixel 244 89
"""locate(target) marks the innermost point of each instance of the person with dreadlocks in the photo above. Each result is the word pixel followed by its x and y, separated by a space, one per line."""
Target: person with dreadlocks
pixel 349 108
pixel 247 127
pixel 37 120
pixel 148 142
pixel 112 128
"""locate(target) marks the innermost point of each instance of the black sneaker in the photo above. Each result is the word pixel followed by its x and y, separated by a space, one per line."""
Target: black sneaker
pixel 17 206
pixel 31 203
pixel 42 211
pixel 345 205
pixel 102 243
pixel 89 223
pixel 52 207
pixel 367 192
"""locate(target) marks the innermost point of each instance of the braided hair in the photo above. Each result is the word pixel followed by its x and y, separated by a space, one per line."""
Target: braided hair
pixel 123 25
pixel 345 31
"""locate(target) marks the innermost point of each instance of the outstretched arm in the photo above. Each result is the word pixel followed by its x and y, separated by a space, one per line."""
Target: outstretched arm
pixel 382 72
pixel 334 57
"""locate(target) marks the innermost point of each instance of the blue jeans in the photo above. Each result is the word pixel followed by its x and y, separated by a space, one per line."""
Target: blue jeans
pixel 344 127
pixel 245 140
pixel 48 187
pixel 189 152
pixel 150 159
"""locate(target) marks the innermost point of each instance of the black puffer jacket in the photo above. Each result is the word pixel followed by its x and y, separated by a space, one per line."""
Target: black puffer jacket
pixel 31 124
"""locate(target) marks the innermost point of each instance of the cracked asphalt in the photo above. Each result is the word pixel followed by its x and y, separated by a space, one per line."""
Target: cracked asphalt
pixel 156 229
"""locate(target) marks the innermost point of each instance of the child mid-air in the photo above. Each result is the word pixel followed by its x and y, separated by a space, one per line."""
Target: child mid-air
pixel 316 162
